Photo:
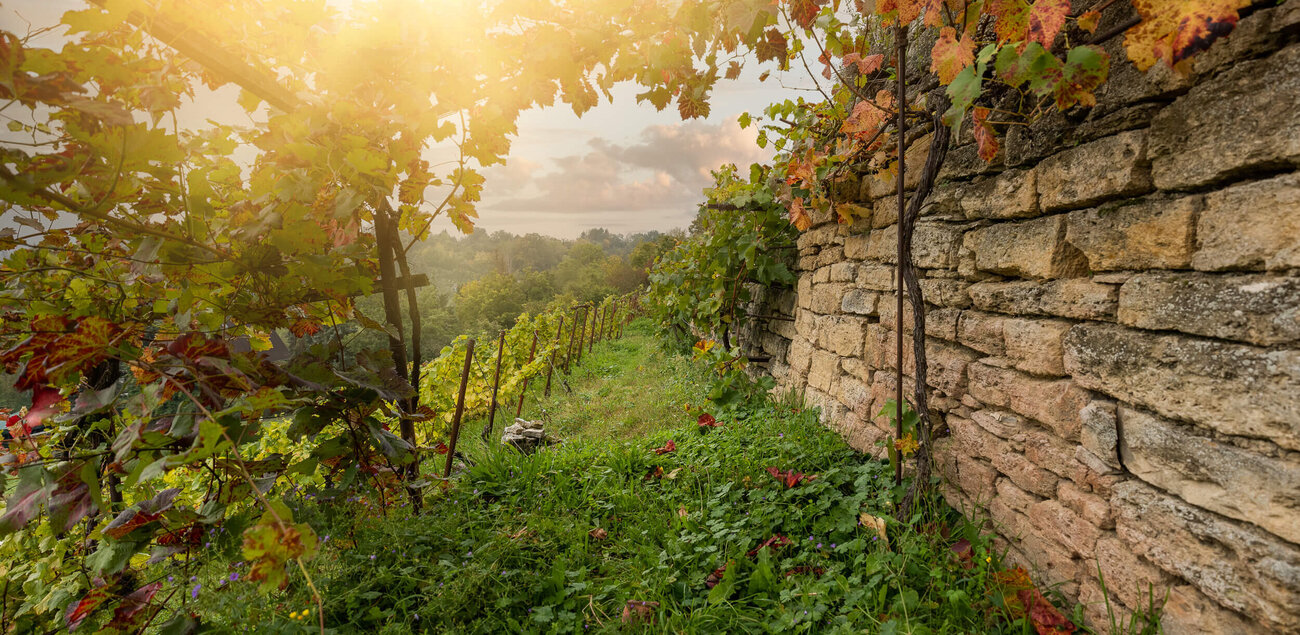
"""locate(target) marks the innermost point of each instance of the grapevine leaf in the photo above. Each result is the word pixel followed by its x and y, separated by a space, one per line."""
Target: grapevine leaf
pixel 866 65
pixel 804 12
pixel 1174 30
pixel 1085 70
pixel 88 604
pixel 985 139
pixel 1046 19
pixel 1089 21
pixel 799 216
pixel 1012 19
pixel 951 55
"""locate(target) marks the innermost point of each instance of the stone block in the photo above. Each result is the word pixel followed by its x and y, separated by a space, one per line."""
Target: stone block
pixel 1074 298
pixel 1060 524
pixel 844 336
pixel 1052 563
pixel 1223 478
pixel 823 369
pixel 1253 226
pixel 884 212
pixel 981 331
pixel 1189 611
pixel 1090 507
pixel 821 274
pixel 1099 433
pixel 1231 126
pixel 1011 194
pixel 1025 473
pixel 945 292
pixel 1001 423
pixel 855 246
pixel 1108 168
pixel 1131 579
pixel 1034 345
pixel 825 297
pixel 1152 233
pixel 1231 388
pixel 934 245
pixel 1257 309
pixel 859 301
pixel 800 356
pixel 843 272
pixel 1238 566
pixel 1014 497
pixel 975 477
pixel 1027 249
pixel 877 277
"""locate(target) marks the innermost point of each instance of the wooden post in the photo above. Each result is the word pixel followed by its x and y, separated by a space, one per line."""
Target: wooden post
pixel 550 368
pixel 496 382
pixel 900 98
pixel 460 408
pixel 595 317
pixel 573 332
pixel 524 391
pixel 582 331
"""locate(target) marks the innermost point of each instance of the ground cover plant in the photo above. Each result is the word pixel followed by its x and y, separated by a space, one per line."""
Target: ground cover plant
pixel 764 521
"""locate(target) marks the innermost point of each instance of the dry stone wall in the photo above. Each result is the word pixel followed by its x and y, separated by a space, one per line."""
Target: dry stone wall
pixel 1113 335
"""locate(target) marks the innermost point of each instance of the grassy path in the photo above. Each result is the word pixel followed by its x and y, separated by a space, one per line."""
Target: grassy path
pixel 642 521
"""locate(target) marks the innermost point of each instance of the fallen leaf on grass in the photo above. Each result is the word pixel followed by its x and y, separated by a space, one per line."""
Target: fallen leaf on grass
pixel 876 523
pixel 775 542
pixel 790 478
pixel 962 551
pixel 673 474
pixel 681 512
pixel 667 447
pixel 655 472
pixel 598 534
pixel 706 420
pixel 715 577
pixel 639 612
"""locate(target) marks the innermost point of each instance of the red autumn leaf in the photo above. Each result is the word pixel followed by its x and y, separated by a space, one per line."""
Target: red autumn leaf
pixel 951 54
pixel 1045 20
pixel 706 420
pixel 866 65
pixel 1085 70
pixel 985 138
pixel 191 534
pixel 804 12
pixel 1047 619
pixel 129 521
pixel 1174 30
pixel 775 542
pixel 773 46
pixel 962 550
pixel 303 328
pixel 666 448
pixel 715 577
pixel 799 216
pixel 130 612
pixel 195 346
pixel 441 448
pixel 902 10
pixel 78 612
pixel 655 472
pixel 790 478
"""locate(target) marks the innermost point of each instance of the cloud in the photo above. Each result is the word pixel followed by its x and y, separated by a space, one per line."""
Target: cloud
pixel 664 169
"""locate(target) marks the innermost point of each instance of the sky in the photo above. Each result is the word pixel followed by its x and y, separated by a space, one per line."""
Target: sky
pixel 621 166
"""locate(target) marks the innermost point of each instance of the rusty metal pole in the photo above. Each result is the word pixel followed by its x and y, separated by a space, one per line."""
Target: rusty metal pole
pixel 582 331
pixel 524 391
pixel 604 322
pixel 550 368
pixel 900 101
pixel 460 407
pixel 595 318
pixel 496 382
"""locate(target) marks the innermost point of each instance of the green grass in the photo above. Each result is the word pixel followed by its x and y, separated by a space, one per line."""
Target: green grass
pixel 515 546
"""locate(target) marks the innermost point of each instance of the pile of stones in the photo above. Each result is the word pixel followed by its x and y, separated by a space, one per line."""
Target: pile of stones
pixel 525 435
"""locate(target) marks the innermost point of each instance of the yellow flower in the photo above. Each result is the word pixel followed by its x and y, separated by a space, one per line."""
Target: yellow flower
pixel 293 615
pixel 906 445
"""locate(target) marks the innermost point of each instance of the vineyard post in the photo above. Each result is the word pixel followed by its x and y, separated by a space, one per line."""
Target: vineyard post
pixel 582 331
pixel 550 368
pixel 573 332
pixel 900 98
pixel 595 319
pixel 460 408
pixel 496 382
pixel 604 322
pixel 524 391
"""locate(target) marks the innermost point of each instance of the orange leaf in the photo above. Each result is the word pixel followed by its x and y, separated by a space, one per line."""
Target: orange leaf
pixel 666 448
pixel 1012 19
pixel 985 139
pixel 951 55
pixel 1089 20
pixel 799 216
pixel 1046 19
pixel 866 65
pixel 1174 30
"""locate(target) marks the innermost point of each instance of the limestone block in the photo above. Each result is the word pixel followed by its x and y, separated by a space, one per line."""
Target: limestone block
pixel 1014 497
pixel 1034 345
pixel 877 277
pixel 1092 508
pixel 1025 473
pixel 1099 434
pixel 1252 308
pixel 855 246
pixel 1077 298
pixel 934 245
pixel 800 357
pixel 1232 388
pixel 1230 126
pixel 1011 194
pixel 1054 402
pixel 825 297
pixel 859 301
pixel 884 212
pixel 1108 168
pixel 1253 226
pixel 946 292
pixel 1027 249
pixel 1223 478
pixel 821 274
pixel 1001 423
pixel 1189 611
pixel 823 369
pixel 1240 567
pixel 975 477
pixel 1058 523
pixel 843 272
pixel 845 336
pixel 1152 233
pixel 1128 576
pixel 981 331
